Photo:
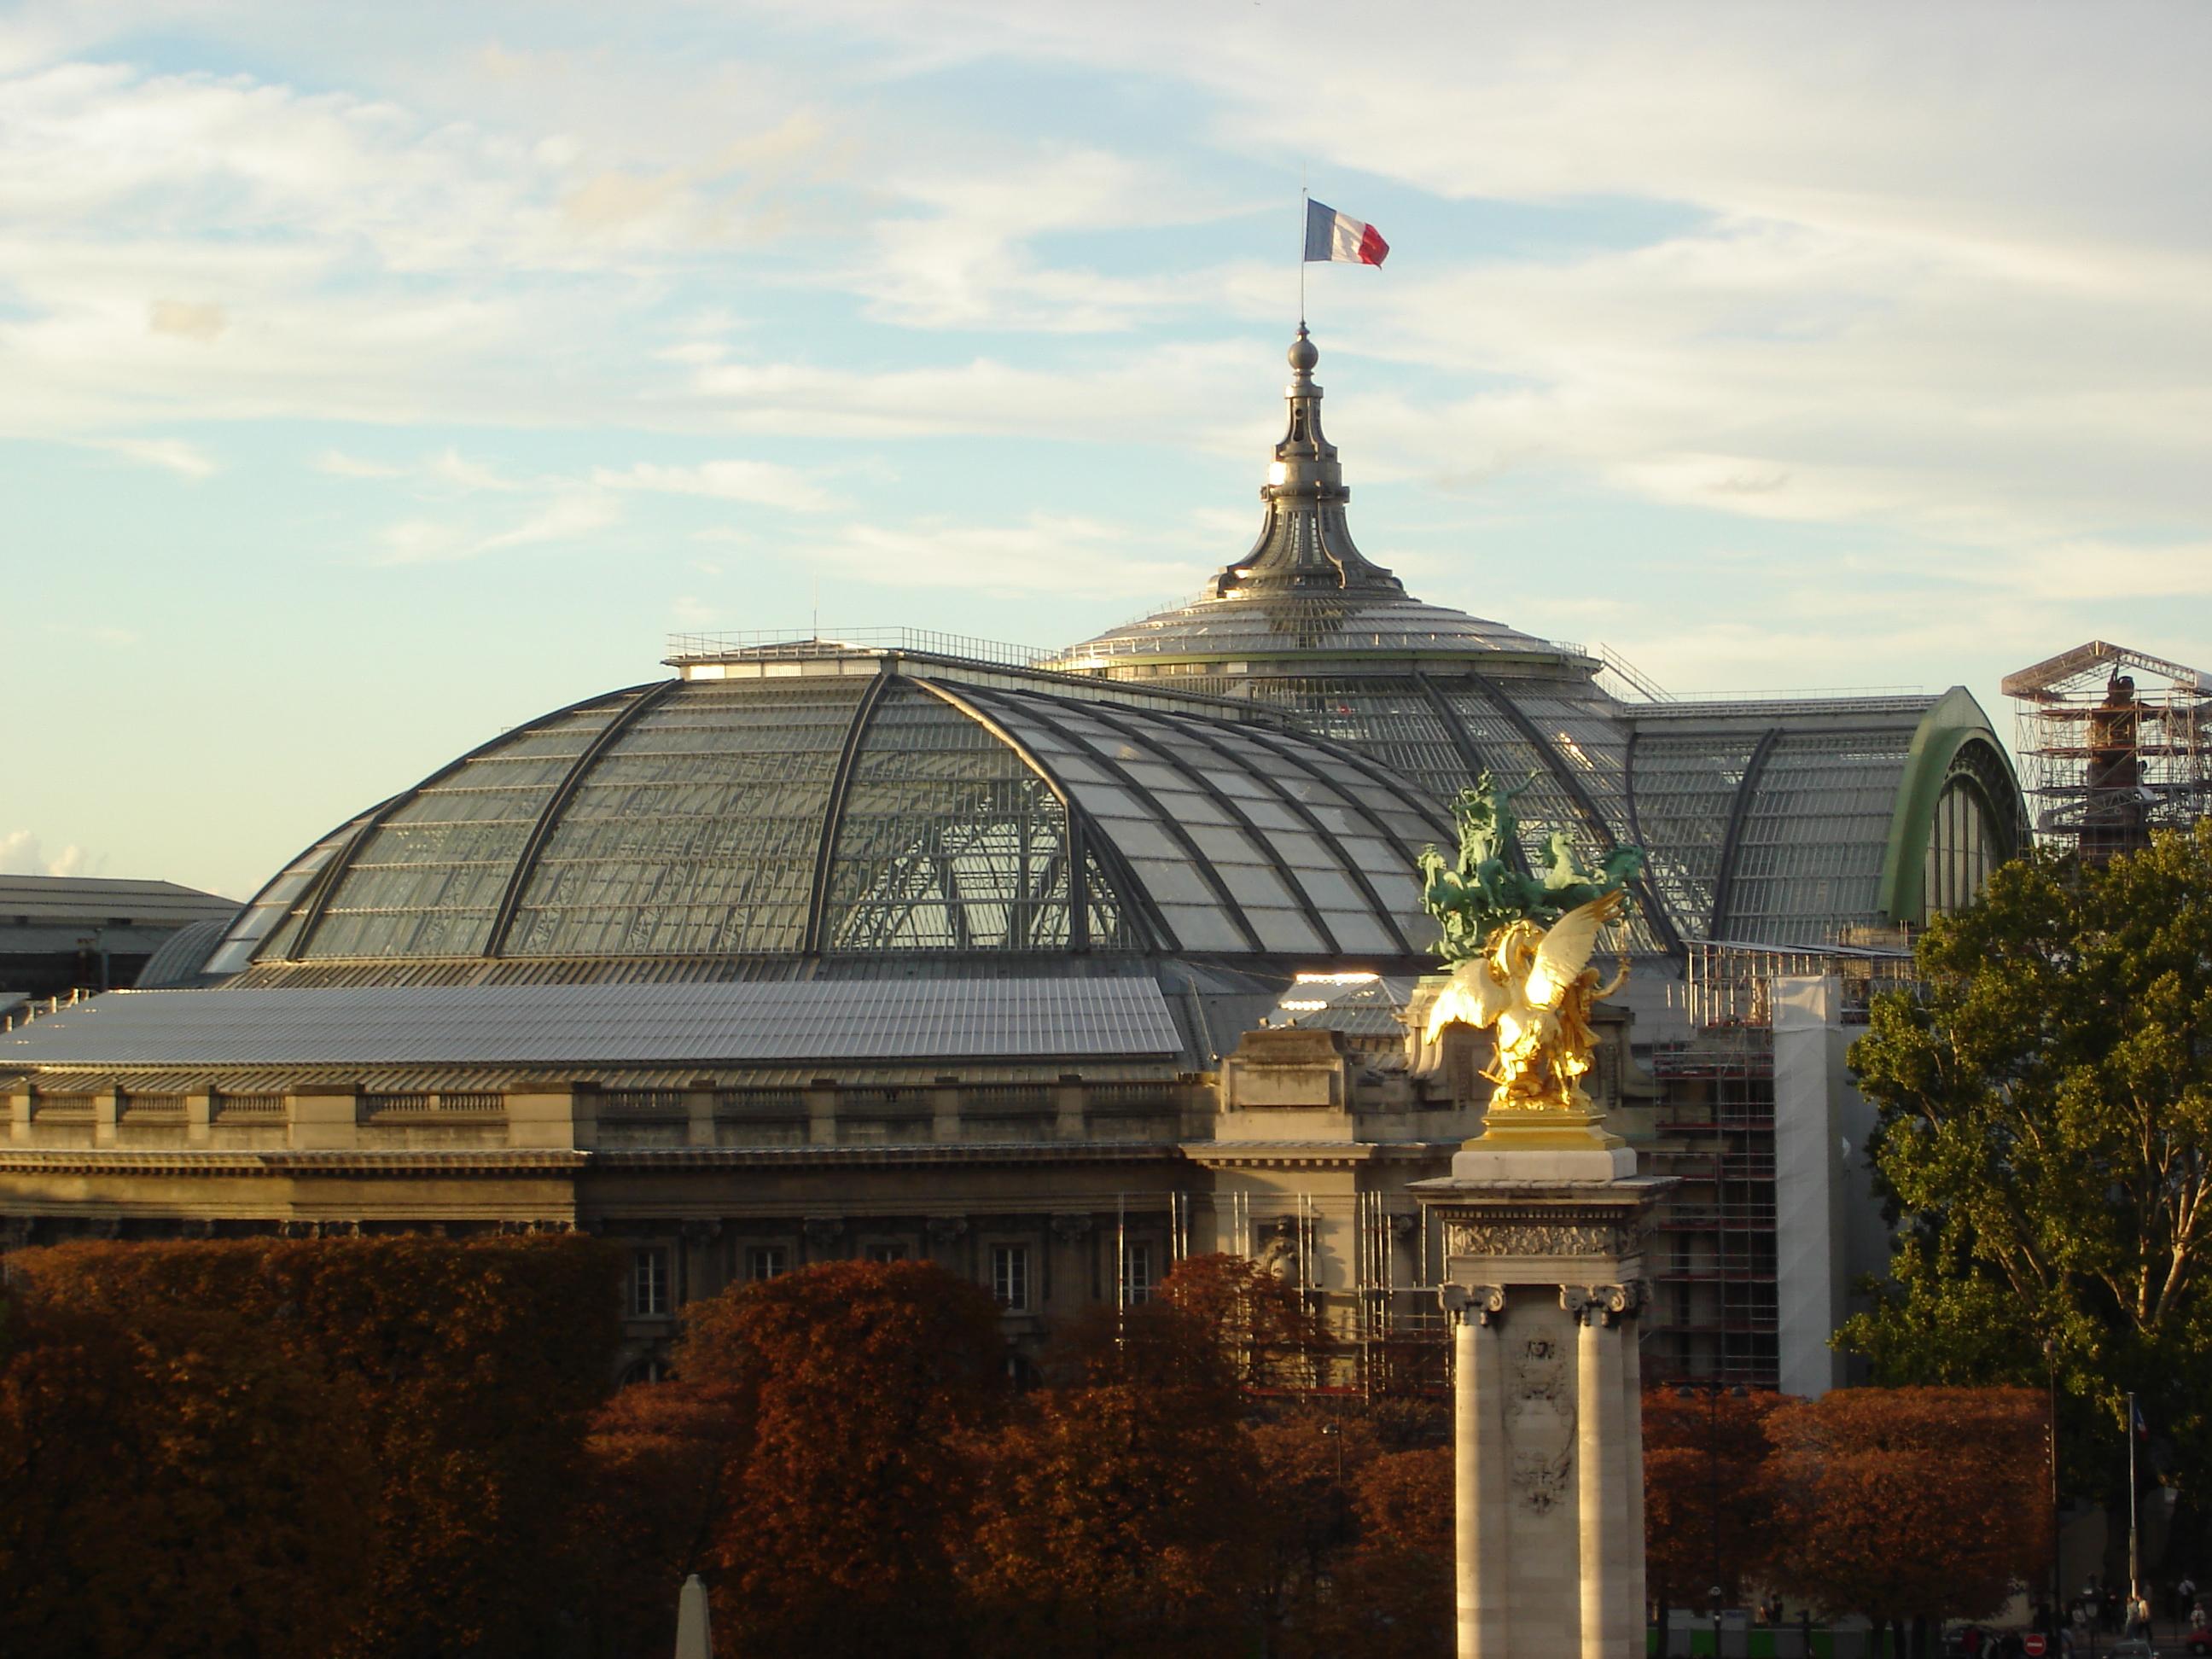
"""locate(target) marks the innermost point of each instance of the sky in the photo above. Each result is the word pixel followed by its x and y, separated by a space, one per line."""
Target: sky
pixel 376 378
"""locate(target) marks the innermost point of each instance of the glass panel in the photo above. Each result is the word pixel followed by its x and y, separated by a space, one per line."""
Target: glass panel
pixel 428 881
pixel 1809 857
pixel 1286 931
pixel 949 840
pixel 698 830
pixel 1686 787
pixel 274 904
pixel 1202 929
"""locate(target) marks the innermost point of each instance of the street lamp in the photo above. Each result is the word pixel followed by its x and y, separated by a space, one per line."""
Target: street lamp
pixel 1712 1391
pixel 2058 1586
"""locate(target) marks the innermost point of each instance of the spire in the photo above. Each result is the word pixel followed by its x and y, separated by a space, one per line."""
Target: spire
pixel 1304 543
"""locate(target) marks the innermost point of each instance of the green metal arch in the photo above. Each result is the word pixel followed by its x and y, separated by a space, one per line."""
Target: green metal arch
pixel 1952 724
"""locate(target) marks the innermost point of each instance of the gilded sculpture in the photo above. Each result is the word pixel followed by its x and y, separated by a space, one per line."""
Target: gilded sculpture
pixel 1521 942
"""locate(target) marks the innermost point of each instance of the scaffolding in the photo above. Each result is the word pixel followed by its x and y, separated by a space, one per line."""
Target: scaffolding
pixel 1713 1264
pixel 2113 744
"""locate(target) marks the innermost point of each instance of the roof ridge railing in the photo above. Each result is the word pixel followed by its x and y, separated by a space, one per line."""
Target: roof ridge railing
pixel 816 642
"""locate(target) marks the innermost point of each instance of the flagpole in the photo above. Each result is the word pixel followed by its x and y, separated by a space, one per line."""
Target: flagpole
pixel 1305 197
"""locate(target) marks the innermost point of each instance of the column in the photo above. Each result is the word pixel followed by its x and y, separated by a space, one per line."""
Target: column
pixel 1601 1495
pixel 1631 1413
pixel 1481 1544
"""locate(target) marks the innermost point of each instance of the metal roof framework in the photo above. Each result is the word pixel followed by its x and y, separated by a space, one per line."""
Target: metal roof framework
pixel 1244 772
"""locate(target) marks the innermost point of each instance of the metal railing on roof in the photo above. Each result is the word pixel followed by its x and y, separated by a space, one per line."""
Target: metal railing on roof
pixel 1182 642
pixel 792 643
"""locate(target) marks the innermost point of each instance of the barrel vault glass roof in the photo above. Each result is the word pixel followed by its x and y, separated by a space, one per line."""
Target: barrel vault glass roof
pixel 901 809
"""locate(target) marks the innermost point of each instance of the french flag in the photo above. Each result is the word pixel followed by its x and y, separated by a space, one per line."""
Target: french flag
pixel 1332 238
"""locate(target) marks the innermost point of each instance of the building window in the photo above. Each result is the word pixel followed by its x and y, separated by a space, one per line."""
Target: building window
pixel 1010 1276
pixel 886 1252
pixel 649 1282
pixel 767 1262
pixel 1136 1273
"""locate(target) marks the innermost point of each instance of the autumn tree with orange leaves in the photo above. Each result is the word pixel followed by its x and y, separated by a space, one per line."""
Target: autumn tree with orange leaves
pixel 1115 1516
pixel 1255 1319
pixel 345 1447
pixel 665 1460
pixel 1708 1498
pixel 1917 1504
pixel 864 1387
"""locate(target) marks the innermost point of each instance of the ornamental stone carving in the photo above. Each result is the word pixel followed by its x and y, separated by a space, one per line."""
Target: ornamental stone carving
pixel 1485 1304
pixel 1071 1229
pixel 946 1229
pixel 822 1230
pixel 1537 1238
pixel 1598 1304
pixel 1539 1423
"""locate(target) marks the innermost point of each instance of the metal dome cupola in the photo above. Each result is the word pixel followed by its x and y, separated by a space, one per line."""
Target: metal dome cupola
pixel 1305 542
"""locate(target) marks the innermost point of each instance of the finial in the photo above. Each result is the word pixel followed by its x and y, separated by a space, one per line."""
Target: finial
pixel 1304 353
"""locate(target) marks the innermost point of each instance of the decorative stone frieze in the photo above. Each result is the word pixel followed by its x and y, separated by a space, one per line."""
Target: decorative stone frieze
pixel 1510 1236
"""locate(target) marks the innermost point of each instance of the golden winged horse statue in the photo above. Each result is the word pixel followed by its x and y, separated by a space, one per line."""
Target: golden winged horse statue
pixel 1536 985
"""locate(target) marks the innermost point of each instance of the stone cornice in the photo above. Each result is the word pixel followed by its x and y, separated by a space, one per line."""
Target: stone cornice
pixel 233 1165
pixel 105 1161
pixel 1043 1152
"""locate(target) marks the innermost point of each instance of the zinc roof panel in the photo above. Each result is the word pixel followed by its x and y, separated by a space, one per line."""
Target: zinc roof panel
pixel 602 1024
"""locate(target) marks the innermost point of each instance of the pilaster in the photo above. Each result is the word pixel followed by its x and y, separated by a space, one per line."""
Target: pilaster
pixel 1480 1518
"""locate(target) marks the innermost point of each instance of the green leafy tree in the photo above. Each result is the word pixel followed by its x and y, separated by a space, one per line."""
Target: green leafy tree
pixel 2045 1115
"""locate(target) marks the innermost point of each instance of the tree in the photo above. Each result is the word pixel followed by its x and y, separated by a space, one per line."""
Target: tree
pixel 865 1386
pixel 1909 1504
pixel 1393 1592
pixel 174 1486
pixel 1708 1499
pixel 1255 1318
pixel 1308 1461
pixel 665 1460
pixel 2044 1111
pixel 463 1372
pixel 1116 1515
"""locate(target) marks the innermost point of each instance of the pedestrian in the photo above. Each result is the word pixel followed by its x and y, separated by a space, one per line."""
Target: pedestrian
pixel 2139 1614
pixel 2184 1597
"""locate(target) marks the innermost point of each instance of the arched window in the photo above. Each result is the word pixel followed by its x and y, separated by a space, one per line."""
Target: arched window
pixel 1962 845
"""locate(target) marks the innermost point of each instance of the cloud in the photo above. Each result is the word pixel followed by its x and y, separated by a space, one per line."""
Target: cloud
pixel 564 519
pixel 23 853
pixel 765 484
pixel 451 467
pixel 1044 554
pixel 169 454
pixel 340 465
pixel 186 320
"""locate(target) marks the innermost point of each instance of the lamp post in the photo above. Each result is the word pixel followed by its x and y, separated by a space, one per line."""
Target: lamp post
pixel 2057 1586
pixel 1712 1389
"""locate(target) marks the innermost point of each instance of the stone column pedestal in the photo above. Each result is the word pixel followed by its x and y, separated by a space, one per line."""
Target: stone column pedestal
pixel 1544 1268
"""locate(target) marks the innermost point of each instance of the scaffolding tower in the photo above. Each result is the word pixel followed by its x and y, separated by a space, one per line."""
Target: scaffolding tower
pixel 2113 744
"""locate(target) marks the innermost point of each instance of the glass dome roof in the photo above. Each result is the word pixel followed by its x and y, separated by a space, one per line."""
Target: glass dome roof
pixel 862 803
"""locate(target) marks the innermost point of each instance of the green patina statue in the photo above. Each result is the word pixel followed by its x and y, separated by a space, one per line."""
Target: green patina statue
pixel 1483 890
